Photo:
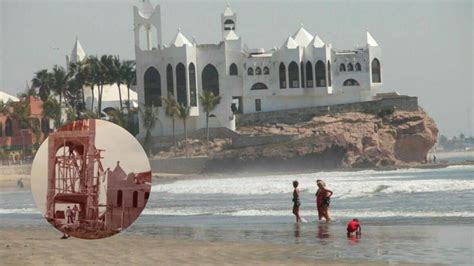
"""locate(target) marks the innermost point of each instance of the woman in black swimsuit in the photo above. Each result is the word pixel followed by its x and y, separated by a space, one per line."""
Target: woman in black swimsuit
pixel 296 201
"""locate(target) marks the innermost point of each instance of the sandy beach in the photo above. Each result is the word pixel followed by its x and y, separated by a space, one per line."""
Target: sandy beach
pixel 28 246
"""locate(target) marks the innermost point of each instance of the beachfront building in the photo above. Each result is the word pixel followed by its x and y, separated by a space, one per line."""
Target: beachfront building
pixel 303 72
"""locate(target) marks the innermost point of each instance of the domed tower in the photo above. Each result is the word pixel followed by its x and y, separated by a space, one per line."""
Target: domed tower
pixel 228 21
pixel 147 20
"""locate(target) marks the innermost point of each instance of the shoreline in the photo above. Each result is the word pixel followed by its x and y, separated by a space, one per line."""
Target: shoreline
pixel 30 246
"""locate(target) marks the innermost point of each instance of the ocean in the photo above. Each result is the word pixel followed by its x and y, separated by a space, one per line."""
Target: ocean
pixel 407 215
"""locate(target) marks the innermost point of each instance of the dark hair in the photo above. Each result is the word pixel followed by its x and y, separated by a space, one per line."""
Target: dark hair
pixel 355 219
pixel 295 183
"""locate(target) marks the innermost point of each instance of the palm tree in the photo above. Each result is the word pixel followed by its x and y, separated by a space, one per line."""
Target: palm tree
pixel 52 110
pixel 171 110
pixel 117 75
pixel 4 108
pixel 149 117
pixel 21 115
pixel 81 73
pixel 129 76
pixel 209 101
pixel 183 113
pixel 42 81
pixel 94 77
pixel 105 70
pixel 60 81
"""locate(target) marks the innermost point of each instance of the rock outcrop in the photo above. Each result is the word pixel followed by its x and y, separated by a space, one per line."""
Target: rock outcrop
pixel 348 139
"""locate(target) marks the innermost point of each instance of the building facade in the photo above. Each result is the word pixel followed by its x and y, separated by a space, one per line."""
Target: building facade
pixel 303 72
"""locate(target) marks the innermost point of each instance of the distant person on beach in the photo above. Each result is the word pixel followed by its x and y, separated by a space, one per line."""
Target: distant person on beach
pixel 434 158
pixel 69 215
pixel 19 183
pixel 323 199
pixel 353 227
pixel 296 201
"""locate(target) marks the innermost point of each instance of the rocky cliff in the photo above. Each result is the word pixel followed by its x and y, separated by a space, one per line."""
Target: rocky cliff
pixel 346 139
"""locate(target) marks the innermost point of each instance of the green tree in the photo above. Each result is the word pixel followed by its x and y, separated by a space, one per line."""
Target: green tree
pixel 117 75
pixel 21 115
pixel 149 117
pixel 129 76
pixel 81 73
pixel 183 114
pixel 209 101
pixel 52 110
pixel 42 81
pixel 171 110
pixel 105 77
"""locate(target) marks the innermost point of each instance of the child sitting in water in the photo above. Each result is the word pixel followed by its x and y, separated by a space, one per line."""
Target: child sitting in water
pixel 354 227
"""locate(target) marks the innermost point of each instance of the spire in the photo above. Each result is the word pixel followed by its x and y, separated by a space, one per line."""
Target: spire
pixel 370 40
pixel 228 12
pixel 77 53
pixel 290 43
pixel 180 40
pixel 231 36
pixel 317 42
pixel 302 37
pixel 147 9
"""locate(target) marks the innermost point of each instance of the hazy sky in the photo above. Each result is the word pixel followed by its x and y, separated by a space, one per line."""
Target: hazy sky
pixel 427 45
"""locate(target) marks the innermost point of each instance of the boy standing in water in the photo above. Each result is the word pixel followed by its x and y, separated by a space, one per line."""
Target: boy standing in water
pixel 296 201
pixel 354 227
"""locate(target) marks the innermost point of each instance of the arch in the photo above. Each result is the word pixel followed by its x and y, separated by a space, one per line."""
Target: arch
pixel 266 71
pixel 250 71
pixel 342 67
pixel 192 85
pixel 282 72
pixel 135 199
pixel 258 71
pixel 119 198
pixel 302 74
pixel 169 80
pixel 229 24
pixel 210 79
pixel 376 75
pixel 309 74
pixel 259 86
pixel 358 67
pixel 350 82
pixel 147 37
pixel 181 92
pixel 152 85
pixel 320 76
pixel 293 75
pixel 233 71
pixel 45 125
pixel 329 74
pixel 350 67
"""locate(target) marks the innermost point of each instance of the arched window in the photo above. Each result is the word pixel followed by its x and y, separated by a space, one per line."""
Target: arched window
pixel 210 79
pixel 9 127
pixel 266 71
pixel 146 196
pixel 376 77
pixel 135 199
pixel 358 67
pixel 342 67
pixel 250 71
pixel 320 69
pixel 152 84
pixel 350 67
pixel 259 86
pixel 302 75
pixel 329 74
pixel 229 24
pixel 293 75
pixel 169 80
pixel 258 71
pixel 309 74
pixel 192 85
pixel 45 125
pixel 282 71
pixel 119 198
pixel 233 71
pixel 1 129
pixel 181 92
pixel 350 82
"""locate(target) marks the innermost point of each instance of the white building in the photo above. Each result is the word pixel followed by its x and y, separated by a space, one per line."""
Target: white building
pixel 303 72
pixel 110 95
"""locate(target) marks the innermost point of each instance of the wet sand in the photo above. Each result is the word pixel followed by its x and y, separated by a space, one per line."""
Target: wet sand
pixel 28 246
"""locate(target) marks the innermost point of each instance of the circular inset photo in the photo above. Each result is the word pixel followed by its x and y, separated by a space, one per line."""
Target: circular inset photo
pixel 91 179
